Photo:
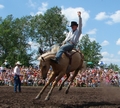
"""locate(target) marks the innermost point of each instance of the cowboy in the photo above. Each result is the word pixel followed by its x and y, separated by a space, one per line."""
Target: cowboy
pixel 71 40
pixel 17 81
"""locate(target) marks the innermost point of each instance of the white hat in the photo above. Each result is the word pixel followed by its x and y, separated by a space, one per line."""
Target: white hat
pixel 18 63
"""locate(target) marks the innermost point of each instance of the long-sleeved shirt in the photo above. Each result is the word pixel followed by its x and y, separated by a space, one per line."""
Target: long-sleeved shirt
pixel 17 70
pixel 74 36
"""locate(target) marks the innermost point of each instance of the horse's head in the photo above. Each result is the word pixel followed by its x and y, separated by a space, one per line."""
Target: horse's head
pixel 45 60
pixel 44 67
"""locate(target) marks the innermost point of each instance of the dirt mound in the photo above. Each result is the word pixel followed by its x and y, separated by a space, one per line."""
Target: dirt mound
pixel 104 97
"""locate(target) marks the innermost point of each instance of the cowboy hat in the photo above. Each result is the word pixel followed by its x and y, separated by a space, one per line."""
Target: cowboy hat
pixel 18 63
pixel 73 23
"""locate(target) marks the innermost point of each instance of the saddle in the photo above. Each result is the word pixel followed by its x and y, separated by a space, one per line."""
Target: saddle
pixel 71 53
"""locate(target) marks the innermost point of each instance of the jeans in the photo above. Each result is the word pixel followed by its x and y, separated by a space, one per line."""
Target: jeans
pixel 64 48
pixel 17 82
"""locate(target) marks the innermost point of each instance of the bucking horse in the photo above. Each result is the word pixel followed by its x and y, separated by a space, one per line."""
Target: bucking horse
pixel 69 62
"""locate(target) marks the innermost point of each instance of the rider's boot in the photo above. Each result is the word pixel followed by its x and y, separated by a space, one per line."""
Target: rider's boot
pixel 55 60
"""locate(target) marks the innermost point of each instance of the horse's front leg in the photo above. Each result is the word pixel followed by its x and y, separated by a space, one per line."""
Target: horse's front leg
pixel 49 81
pixel 68 74
pixel 53 85
pixel 73 77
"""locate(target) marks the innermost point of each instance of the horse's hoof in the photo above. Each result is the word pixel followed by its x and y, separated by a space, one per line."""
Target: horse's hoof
pixel 37 97
pixel 46 99
pixel 60 88
pixel 66 92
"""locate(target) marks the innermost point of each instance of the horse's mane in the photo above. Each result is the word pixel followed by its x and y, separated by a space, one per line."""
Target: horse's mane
pixel 55 48
pixel 53 51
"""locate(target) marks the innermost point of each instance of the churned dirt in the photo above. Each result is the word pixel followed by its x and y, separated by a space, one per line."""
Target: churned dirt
pixel 102 97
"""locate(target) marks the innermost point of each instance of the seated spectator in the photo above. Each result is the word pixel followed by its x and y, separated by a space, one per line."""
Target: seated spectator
pixel 30 81
pixel 6 64
pixel 35 81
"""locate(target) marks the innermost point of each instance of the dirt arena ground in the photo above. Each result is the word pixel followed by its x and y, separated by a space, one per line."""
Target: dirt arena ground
pixel 103 97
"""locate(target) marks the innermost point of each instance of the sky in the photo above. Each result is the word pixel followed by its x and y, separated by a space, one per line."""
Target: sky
pixel 101 20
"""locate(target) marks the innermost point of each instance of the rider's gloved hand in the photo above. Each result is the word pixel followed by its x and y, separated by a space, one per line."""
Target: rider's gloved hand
pixel 79 13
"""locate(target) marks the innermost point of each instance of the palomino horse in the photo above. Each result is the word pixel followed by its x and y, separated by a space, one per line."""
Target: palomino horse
pixel 65 66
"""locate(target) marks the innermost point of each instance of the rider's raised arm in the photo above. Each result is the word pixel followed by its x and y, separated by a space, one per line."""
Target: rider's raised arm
pixel 78 32
pixel 80 24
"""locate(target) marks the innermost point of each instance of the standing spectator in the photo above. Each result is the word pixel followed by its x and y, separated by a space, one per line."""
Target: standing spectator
pixel 6 64
pixel 17 81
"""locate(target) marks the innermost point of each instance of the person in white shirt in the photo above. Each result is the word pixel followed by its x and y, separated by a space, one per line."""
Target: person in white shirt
pixel 71 40
pixel 17 81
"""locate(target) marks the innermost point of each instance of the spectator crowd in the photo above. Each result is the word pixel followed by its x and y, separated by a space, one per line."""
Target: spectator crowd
pixel 30 76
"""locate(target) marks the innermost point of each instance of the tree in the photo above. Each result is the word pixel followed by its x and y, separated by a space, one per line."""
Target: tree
pixel 15 33
pixel 52 26
pixel 14 40
pixel 90 49
pixel 113 66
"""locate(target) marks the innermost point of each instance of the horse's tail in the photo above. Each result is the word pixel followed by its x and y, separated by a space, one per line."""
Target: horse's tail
pixel 84 64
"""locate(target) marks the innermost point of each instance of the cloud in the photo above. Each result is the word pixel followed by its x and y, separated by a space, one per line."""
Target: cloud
pixel 112 19
pixel 32 13
pixel 91 38
pixel 66 11
pixel 71 14
pixel 101 16
pixel 105 53
pixel 116 17
pixel 118 42
pixel 109 22
pixel 118 52
pixel 110 58
pixel 104 43
pixel 93 31
pixel 32 4
pixel 43 8
pixel 1 6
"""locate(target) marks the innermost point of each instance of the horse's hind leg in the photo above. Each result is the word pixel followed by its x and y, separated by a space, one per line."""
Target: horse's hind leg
pixel 54 84
pixel 50 80
pixel 73 77
pixel 68 74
